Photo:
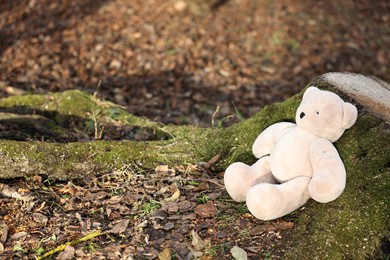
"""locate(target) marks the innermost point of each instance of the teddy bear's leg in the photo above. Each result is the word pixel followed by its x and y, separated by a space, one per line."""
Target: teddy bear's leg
pixel 269 201
pixel 239 177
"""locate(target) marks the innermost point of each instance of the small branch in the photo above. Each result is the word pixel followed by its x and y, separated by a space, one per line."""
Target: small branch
pixel 62 247
pixel 213 117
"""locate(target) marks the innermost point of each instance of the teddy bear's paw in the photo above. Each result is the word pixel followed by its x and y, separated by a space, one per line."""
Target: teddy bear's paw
pixel 264 201
pixel 237 181
pixel 322 190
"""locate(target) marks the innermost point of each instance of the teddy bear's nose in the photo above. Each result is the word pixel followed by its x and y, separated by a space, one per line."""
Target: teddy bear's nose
pixel 302 115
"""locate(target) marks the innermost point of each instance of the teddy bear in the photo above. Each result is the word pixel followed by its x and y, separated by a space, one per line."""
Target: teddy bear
pixel 295 161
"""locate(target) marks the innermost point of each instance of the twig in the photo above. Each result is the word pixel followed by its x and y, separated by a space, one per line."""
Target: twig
pixel 97 89
pixel 183 179
pixel 213 117
pixel 62 247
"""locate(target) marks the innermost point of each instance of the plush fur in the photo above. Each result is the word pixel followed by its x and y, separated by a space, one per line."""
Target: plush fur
pixel 296 161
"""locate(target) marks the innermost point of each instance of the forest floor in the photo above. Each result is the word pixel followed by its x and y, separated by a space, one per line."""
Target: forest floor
pixel 165 63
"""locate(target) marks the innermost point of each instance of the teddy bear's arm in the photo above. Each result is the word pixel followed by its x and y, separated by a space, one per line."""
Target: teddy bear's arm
pixel 266 140
pixel 329 176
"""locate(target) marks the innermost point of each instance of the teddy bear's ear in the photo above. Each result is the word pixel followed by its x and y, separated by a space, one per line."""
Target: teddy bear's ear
pixel 349 116
pixel 310 89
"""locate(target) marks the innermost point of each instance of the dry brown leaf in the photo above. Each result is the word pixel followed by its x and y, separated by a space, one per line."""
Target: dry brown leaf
pixel 162 169
pixel 68 190
pixel 191 216
pixel 284 225
pixel 12 193
pixel 202 187
pixel 165 254
pixel 68 253
pixel 18 235
pixel 120 227
pixel 40 218
pixel 4 232
pixel 43 204
pixel 170 207
pixel 197 241
pixel 212 161
pixel 206 210
pixel 168 226
pixel 113 200
pixel 238 253
pixel 262 229
pixel 174 196
pixel 184 205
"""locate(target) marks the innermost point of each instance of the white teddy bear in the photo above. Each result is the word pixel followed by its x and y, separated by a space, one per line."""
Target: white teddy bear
pixel 296 161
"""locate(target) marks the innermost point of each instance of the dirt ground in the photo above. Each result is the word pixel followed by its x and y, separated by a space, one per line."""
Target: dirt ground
pixel 166 63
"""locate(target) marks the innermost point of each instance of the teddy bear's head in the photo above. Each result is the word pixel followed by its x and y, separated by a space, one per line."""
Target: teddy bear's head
pixel 325 114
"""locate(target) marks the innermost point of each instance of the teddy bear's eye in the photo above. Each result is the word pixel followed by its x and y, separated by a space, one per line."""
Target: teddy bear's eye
pixel 318 113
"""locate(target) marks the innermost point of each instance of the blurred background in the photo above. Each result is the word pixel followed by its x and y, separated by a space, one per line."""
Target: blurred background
pixel 183 61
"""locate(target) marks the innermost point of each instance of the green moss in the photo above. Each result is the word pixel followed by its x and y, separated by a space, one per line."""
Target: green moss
pixel 70 103
pixel 25 101
pixel 354 225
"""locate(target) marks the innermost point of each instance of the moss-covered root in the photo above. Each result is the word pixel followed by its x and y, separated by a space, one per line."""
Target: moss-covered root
pixel 72 160
pixel 71 103
pixel 76 160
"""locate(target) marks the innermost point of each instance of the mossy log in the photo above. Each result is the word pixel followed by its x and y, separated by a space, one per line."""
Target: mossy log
pixel 60 119
pixel 57 141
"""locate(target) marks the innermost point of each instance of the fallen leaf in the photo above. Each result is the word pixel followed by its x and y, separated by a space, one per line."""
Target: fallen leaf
pixel 214 195
pixel 170 207
pixel 212 161
pixel 238 253
pixel 4 233
pixel 258 230
pixel 68 190
pixel 221 234
pixel 174 196
pixel 191 216
pixel 206 210
pixel 68 253
pixel 165 254
pixel 196 254
pixel 197 242
pixel 43 204
pixel 18 235
pixel 162 169
pixel 113 200
pixel 284 225
pixel 184 205
pixel 40 218
pixel 12 193
pixel 168 226
pixel 202 187
pixel 162 190
pixel 120 227
pixel 254 249
pixel 142 224
pixel 159 214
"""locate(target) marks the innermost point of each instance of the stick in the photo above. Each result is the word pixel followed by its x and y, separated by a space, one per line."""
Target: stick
pixel 60 248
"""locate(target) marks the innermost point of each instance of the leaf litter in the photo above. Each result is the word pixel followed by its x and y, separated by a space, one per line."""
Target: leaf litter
pixel 181 212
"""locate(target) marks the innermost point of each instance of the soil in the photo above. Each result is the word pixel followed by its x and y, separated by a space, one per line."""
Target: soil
pixel 171 63
pixel 167 64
